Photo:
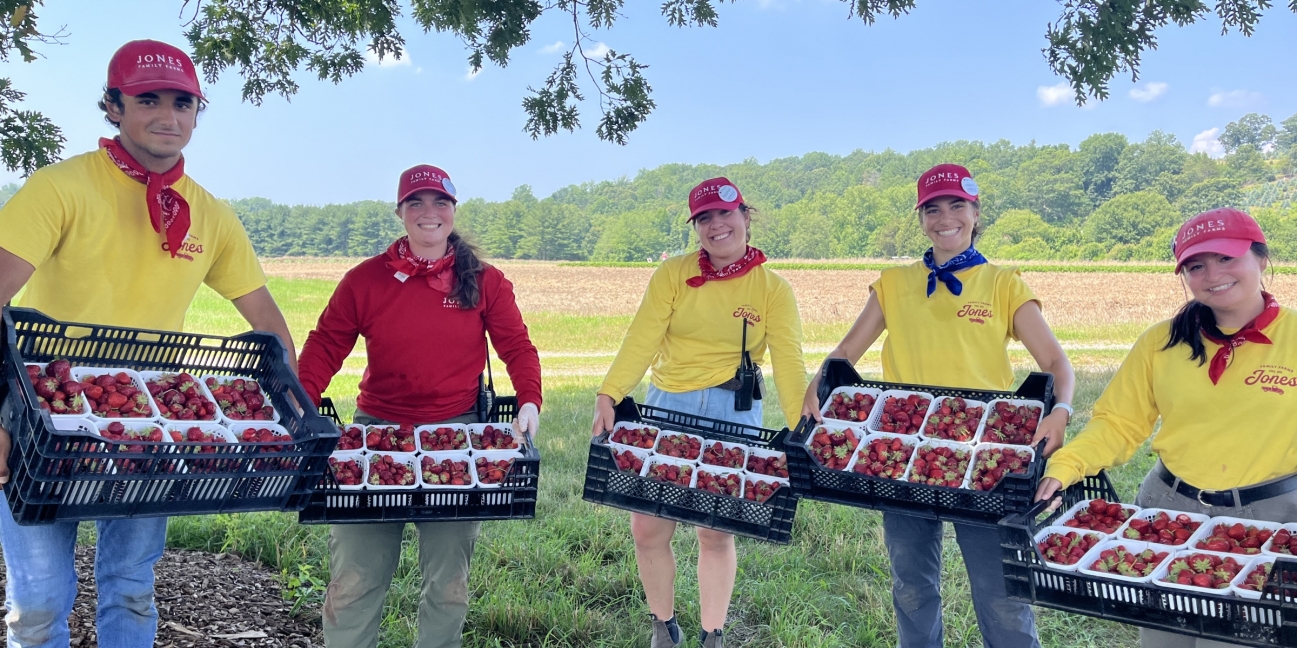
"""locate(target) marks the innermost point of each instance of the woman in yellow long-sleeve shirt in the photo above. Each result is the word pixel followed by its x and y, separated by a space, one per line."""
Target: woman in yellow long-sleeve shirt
pixel 1222 376
pixel 689 328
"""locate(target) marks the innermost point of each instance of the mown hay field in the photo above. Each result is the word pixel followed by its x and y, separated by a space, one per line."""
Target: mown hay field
pixel 568 578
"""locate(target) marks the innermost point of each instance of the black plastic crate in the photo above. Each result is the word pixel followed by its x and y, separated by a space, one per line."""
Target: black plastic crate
pixel 61 476
pixel 812 481
pixel 515 499
pixel 1268 621
pixel 771 520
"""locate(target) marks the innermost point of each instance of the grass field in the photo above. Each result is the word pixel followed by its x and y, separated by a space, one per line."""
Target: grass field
pixel 568 578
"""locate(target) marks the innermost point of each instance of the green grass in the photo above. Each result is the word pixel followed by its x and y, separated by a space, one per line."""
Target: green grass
pixel 568 578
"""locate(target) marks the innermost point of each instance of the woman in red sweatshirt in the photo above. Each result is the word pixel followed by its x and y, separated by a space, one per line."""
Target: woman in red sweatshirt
pixel 424 308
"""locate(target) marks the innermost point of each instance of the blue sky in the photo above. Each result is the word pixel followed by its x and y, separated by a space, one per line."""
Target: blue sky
pixel 778 78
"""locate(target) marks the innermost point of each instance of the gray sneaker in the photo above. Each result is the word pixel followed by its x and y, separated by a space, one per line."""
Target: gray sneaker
pixel 662 633
pixel 713 639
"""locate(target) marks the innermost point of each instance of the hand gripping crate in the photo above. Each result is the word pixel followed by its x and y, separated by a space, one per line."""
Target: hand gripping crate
pixel 771 520
pixel 514 499
pixel 70 476
pixel 1270 620
pixel 812 481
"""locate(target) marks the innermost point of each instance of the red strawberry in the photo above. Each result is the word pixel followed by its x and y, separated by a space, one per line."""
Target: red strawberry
pixel 1121 560
pixel 773 466
pixel 627 461
pixel 849 407
pixel 902 415
pixel 1255 580
pixel 680 446
pixel 1203 570
pixel 1235 538
pixel 494 438
pixel 719 483
pixel 716 454
pixel 387 470
pixel 351 438
pixel 1011 424
pixel 636 437
pixel 1100 515
pixel 492 472
pixel 936 465
pixel 392 438
pixel 1284 542
pixel 447 472
pixel 1067 548
pixel 181 397
pixel 437 440
pixel 885 458
pixel 759 490
pixel 671 473
pixel 833 448
pixel 1162 528
pixel 992 464
pixel 240 399
pixel 954 420
pixel 346 472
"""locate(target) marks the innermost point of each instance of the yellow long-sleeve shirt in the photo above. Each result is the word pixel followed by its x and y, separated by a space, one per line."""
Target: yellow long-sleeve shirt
pixel 692 336
pixel 1233 434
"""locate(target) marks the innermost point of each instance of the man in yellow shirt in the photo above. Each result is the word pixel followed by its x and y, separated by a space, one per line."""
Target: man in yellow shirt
pixel 118 236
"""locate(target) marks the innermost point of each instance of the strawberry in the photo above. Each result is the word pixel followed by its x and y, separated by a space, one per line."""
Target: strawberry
pixel 1235 538
pixel 627 461
pixel 196 434
pixel 635 437
pixel 1011 424
pixel 118 396
pixel 992 464
pixel 849 407
pixel 180 398
pixel 885 458
pixel 680 446
pixel 386 470
pixel 240 399
pixel 1162 528
pixel 671 473
pixel 116 431
pixel 56 392
pixel 346 472
pixel 267 435
pixel 1122 561
pixel 1099 515
pixel 447 472
pixel 1203 570
pixel 391 438
pixel 719 483
pixel 759 490
pixel 1255 580
pixel 1284 542
pixel 936 465
pixel 492 472
pixel 716 454
pixel 1067 548
pixel 351 438
pixel 772 466
pixel 902 415
pixel 494 438
pixel 953 420
pixel 833 448
pixel 437 440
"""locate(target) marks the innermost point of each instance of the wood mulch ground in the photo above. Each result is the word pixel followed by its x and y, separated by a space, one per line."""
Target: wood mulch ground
pixel 204 599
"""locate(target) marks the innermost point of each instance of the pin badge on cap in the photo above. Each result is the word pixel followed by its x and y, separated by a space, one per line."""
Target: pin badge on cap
pixel 448 186
pixel 969 186
pixel 728 193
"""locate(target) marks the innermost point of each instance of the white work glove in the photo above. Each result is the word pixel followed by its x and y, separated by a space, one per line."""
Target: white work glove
pixel 528 419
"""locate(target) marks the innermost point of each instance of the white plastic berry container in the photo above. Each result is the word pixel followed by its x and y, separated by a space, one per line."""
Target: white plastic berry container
pixel 221 379
pixel 1062 530
pixel 985 436
pixel 846 430
pixel 137 382
pixel 641 453
pixel 628 425
pixel 410 459
pixel 361 461
pixel 983 447
pixel 910 441
pixel 876 415
pixel 1235 585
pixel 476 430
pixel 265 463
pixel 347 428
pixel 75 425
pixel 454 455
pixel 751 479
pixel 1151 513
pixel 918 450
pixel 163 410
pixel 216 429
pixel 762 453
pixel 1268 548
pixel 1083 504
pixel 976 423
pixel 850 392
pixel 85 407
pixel 382 429
pixel 1196 604
pixel 667 434
pixel 1133 546
pixel 427 430
pixel 725 446
pixel 1205 530
pixel 131 425
pixel 493 456
pixel 656 459
pixel 720 472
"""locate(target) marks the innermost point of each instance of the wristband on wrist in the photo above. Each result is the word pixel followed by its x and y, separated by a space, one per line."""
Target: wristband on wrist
pixel 1065 407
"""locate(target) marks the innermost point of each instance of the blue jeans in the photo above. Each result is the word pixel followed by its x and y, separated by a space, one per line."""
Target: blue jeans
pixel 41 580
pixel 914 546
pixel 712 402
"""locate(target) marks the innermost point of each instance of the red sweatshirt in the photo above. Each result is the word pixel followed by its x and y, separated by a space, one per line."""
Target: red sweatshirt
pixel 425 352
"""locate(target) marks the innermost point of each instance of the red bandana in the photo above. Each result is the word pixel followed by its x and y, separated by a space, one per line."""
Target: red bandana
pixel 750 260
pixel 1249 333
pixel 440 273
pixel 167 208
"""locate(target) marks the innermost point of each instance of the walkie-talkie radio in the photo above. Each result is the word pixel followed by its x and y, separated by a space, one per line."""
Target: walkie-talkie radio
pixel 752 385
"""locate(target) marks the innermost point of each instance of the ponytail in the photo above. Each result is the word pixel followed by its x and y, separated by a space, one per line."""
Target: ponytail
pixel 1195 317
pixel 468 268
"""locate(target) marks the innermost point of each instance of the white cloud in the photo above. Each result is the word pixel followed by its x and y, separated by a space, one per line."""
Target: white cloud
pixel 597 52
pixel 1208 142
pixel 1149 91
pixel 388 60
pixel 1234 99
pixel 472 74
pixel 1054 95
pixel 551 49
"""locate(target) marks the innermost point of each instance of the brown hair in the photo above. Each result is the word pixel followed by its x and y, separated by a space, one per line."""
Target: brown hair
pixel 114 96
pixel 468 269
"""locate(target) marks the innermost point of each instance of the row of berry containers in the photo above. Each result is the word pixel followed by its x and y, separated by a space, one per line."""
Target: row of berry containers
pixel 960 493
pixel 429 473
pixel 874 410
pixel 1246 594
pixel 700 471
pixel 78 476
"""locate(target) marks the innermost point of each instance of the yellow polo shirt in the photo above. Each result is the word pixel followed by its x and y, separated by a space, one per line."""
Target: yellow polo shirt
pixel 1236 433
pixel 84 225
pixel 947 339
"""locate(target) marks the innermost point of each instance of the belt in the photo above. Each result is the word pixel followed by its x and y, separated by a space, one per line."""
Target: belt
pixel 732 384
pixel 1246 496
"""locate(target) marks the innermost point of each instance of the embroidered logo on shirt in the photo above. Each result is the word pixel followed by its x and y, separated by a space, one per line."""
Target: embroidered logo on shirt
pixel 748 313
pixel 1272 378
pixel 977 312
pixel 449 302
pixel 189 247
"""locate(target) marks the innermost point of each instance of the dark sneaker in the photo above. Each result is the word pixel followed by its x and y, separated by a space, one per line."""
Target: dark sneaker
pixel 713 639
pixel 663 637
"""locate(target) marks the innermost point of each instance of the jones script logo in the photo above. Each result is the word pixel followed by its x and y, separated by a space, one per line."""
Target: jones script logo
pixel 1272 378
pixel 977 312
pixel 748 313
pixel 188 248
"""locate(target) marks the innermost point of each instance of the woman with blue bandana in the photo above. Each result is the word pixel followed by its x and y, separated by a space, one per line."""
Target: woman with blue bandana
pixel 949 319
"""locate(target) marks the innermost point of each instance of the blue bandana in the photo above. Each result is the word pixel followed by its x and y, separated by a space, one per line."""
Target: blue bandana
pixel 946 271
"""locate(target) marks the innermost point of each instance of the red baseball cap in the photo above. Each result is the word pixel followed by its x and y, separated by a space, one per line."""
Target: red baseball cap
pixel 147 65
pixel 425 176
pixel 717 193
pixel 1226 231
pixel 946 180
